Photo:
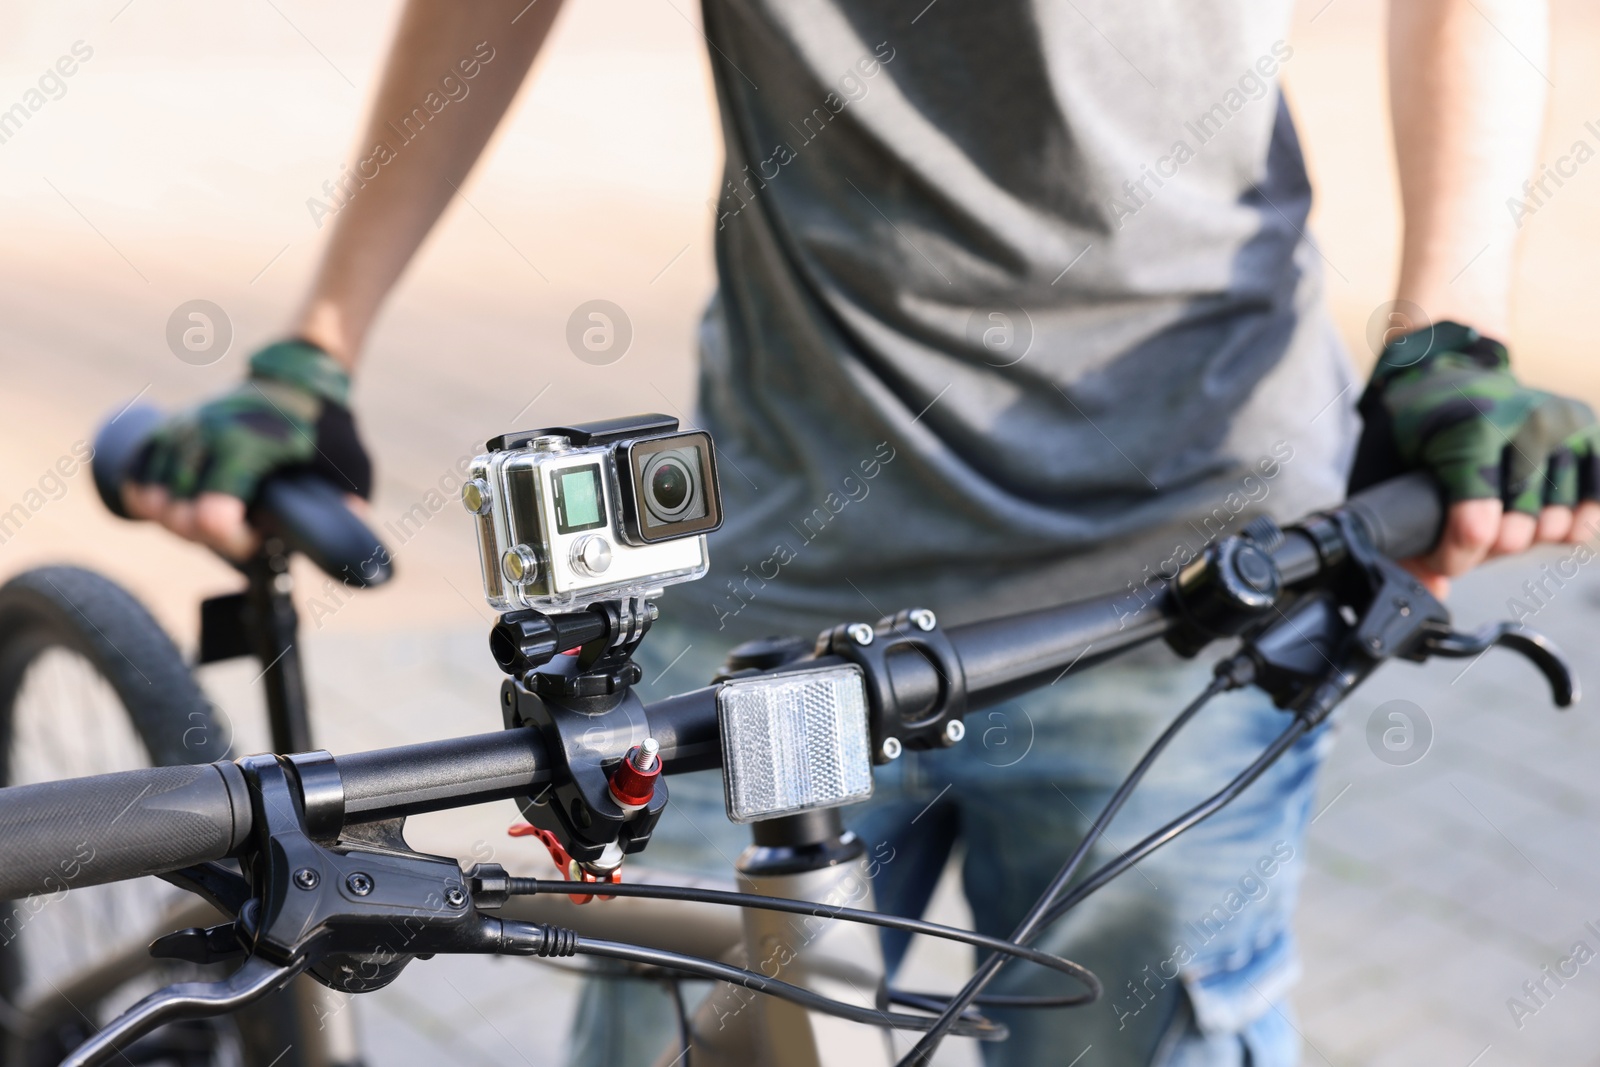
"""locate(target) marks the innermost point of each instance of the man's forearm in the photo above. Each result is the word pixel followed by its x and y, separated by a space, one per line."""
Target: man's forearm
pixel 410 156
pixel 1467 106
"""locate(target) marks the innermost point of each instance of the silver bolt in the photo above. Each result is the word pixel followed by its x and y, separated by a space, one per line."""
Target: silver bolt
pixel 923 619
pixel 860 633
pixel 954 730
pixel 644 757
pixel 282 583
pixel 454 897
pixel 306 878
pixel 359 883
pixel 891 748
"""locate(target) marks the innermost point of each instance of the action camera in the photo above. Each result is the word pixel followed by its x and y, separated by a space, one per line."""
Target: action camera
pixel 571 515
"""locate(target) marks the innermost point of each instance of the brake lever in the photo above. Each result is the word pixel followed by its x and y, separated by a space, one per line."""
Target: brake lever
pixel 185 1000
pixel 1539 649
pixel 1310 658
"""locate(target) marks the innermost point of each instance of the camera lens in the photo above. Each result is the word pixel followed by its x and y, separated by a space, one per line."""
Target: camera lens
pixel 672 491
pixel 669 486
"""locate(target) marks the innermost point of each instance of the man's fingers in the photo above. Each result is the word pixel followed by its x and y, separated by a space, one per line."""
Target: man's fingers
pixel 144 501
pixel 1471 528
pixel 219 521
pixel 1585 521
pixel 1432 580
pixel 1517 530
pixel 1555 523
pixel 178 516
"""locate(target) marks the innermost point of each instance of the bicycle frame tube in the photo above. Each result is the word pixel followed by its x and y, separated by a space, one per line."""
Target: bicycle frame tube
pixel 273 633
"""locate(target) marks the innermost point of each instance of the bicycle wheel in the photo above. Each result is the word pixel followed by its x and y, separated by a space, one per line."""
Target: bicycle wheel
pixel 90 683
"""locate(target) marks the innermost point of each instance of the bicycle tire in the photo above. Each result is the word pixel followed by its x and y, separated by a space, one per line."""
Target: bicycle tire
pixel 67 619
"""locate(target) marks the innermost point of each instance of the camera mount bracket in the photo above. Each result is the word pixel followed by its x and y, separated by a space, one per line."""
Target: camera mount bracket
pixel 572 678
pixel 574 654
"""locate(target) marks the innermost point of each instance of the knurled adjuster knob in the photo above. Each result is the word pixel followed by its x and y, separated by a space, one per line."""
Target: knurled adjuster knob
pixel 633 782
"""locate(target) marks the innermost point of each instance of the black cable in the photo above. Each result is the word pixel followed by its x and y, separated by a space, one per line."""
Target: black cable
pixel 968 1026
pixel 698 895
pixel 1034 920
pixel 1195 815
pixel 675 987
pixel 936 1002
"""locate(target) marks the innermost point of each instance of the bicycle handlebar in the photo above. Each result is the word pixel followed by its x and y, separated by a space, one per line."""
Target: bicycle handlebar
pixel 1403 516
pixel 308 513
pixel 1007 656
pixel 86 831
pixel 89 830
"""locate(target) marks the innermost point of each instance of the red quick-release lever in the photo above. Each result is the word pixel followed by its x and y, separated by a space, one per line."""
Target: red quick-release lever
pixel 568 866
pixel 633 783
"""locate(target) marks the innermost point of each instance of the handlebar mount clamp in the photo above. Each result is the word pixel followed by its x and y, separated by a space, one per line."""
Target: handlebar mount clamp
pixel 916 687
pixel 572 677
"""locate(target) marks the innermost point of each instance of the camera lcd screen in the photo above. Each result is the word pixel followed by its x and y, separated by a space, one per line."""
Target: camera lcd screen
pixel 579 501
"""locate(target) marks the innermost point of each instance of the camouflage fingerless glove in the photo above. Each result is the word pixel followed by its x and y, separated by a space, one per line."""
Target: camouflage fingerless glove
pixel 1443 398
pixel 290 413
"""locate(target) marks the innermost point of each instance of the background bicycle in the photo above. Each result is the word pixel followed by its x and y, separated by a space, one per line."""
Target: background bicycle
pixel 70 308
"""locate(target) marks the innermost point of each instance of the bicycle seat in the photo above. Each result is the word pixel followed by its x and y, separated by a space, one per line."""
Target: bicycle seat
pixel 298 507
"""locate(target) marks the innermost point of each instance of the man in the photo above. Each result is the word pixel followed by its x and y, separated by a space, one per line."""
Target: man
pixel 1016 307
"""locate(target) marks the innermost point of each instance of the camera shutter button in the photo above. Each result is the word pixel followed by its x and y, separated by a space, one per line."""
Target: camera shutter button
pixel 591 556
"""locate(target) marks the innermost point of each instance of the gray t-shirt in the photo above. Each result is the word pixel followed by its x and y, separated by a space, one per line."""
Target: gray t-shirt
pixel 1016 303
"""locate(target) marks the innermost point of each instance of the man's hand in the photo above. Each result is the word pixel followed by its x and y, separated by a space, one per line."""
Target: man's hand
pixel 1518 466
pixel 202 469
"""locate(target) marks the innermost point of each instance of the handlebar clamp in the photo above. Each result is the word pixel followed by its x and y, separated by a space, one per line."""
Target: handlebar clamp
pixel 916 687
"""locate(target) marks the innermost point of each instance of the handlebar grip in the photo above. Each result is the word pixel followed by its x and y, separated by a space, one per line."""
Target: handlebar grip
pixel 86 831
pixel 312 518
pixel 1402 516
pixel 304 510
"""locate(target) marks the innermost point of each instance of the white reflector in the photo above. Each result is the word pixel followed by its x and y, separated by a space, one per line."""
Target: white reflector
pixel 793 742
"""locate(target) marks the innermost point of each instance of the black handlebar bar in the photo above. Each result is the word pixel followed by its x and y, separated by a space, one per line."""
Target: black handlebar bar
pixel 299 507
pixel 89 830
pixel 85 831
pixel 1402 516
pixel 1007 656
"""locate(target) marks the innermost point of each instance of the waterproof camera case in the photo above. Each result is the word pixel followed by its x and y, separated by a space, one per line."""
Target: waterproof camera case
pixel 572 515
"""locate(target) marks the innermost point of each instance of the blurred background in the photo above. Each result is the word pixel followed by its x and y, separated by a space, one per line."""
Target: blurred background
pixel 177 165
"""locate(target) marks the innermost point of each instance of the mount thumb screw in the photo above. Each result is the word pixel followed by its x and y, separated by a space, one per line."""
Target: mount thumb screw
pixel 633 783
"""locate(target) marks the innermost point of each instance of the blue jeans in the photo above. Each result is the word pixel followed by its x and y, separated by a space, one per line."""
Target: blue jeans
pixel 1194 944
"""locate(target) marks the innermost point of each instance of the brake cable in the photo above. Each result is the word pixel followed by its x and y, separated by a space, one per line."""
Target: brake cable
pixel 1195 815
pixel 1037 915
pixel 699 895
